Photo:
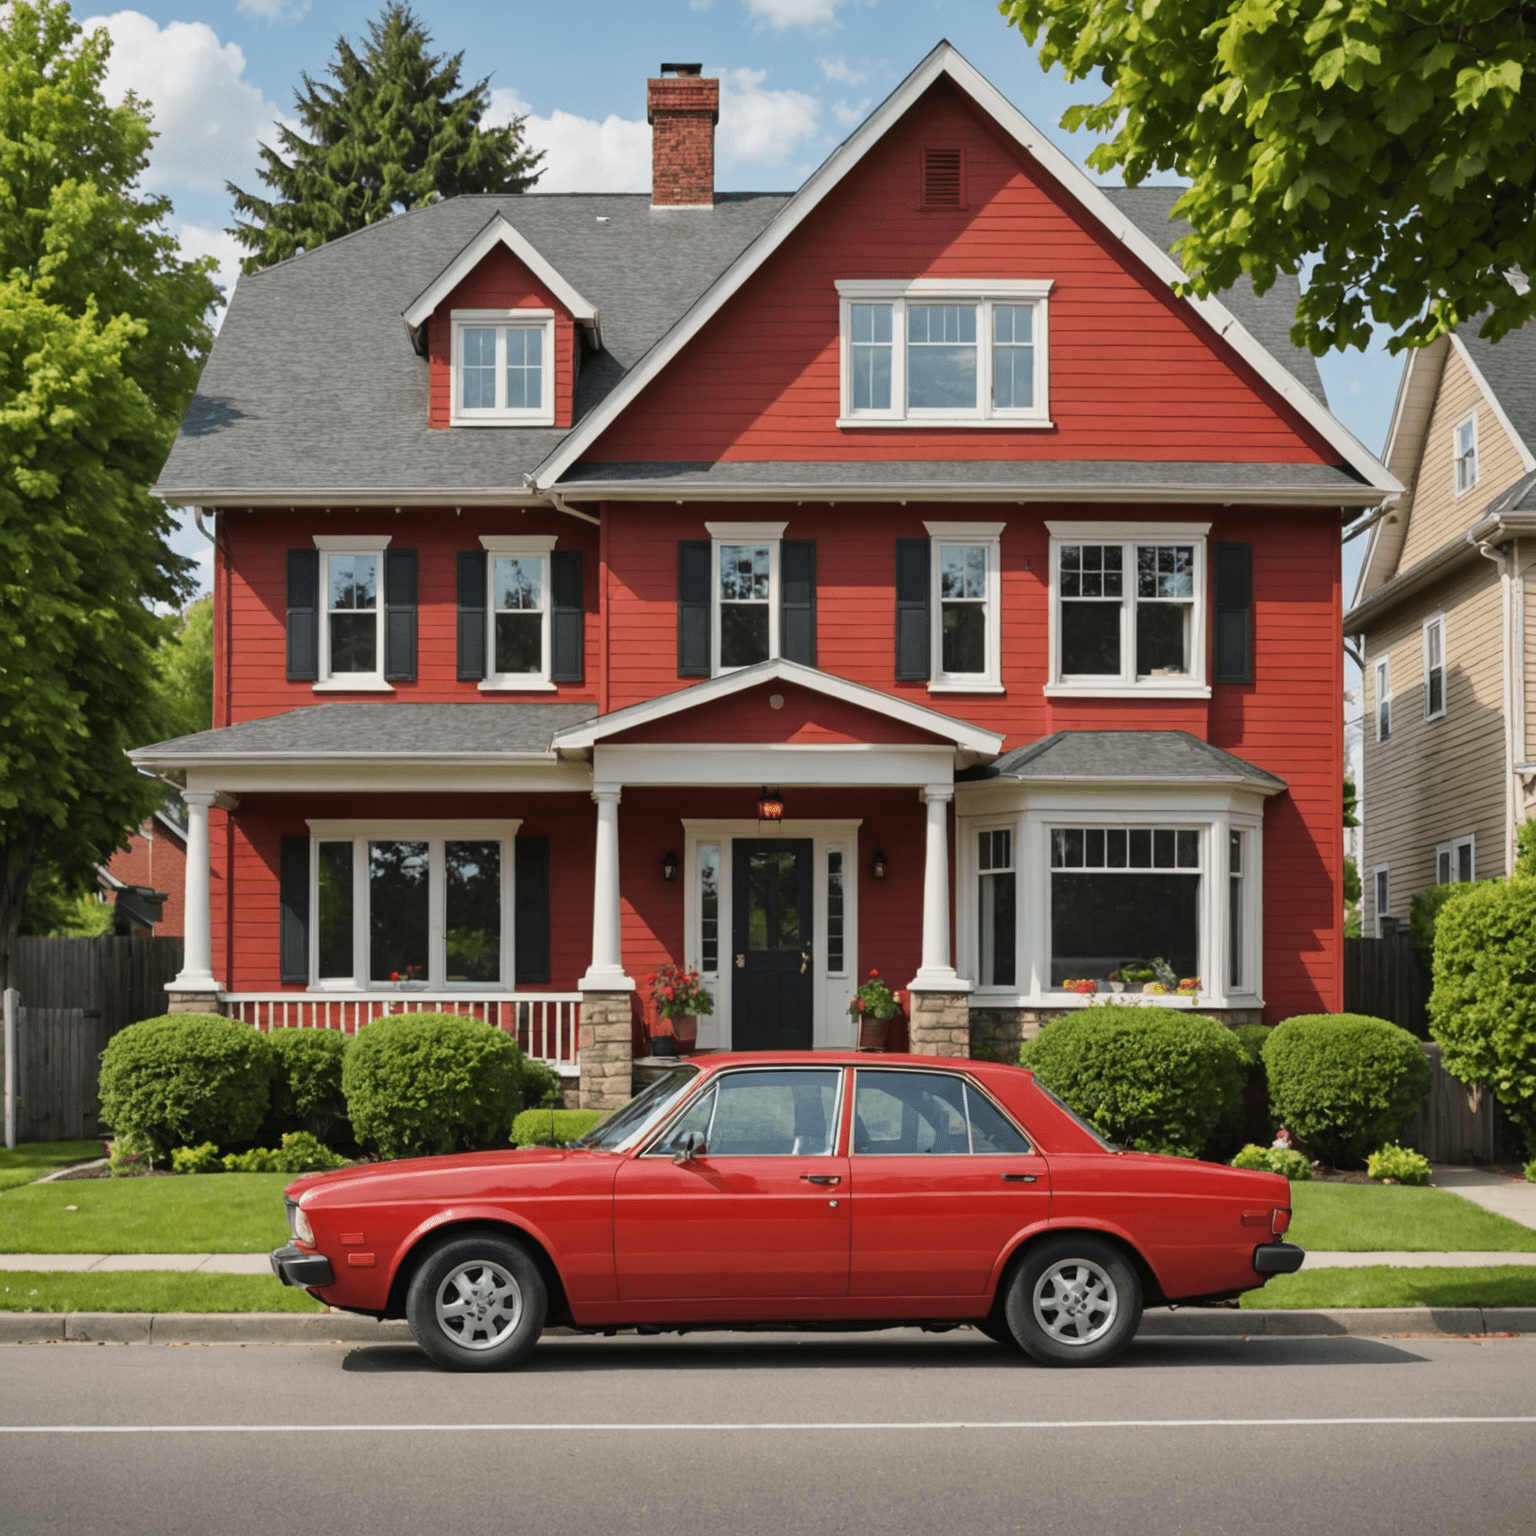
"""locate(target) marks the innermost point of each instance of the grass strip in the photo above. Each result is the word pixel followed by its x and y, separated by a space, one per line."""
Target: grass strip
pixel 1379 1285
pixel 223 1213
pixel 32 1159
pixel 1374 1218
pixel 150 1290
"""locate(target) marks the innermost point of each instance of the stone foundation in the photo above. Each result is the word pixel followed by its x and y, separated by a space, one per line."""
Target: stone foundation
pixel 193 1002
pixel 939 1024
pixel 997 1033
pixel 606 1051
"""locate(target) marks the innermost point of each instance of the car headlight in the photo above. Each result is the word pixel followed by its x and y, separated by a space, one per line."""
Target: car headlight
pixel 298 1223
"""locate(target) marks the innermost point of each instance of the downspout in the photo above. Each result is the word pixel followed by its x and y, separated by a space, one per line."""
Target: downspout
pixel 1489 552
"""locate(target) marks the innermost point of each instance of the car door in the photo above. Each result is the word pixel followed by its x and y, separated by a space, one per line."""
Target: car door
pixel 941 1181
pixel 761 1212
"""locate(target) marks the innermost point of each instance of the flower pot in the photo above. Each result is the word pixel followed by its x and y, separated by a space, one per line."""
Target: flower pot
pixel 1117 986
pixel 685 1032
pixel 873 1032
pixel 662 1041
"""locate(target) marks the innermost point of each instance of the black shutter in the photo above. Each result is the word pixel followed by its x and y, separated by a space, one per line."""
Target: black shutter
pixel 400 615
pixel 914 643
pixel 471 614
pixel 693 561
pixel 567 617
pixel 1234 613
pixel 531 883
pixel 797 601
pixel 293 909
pixel 303 615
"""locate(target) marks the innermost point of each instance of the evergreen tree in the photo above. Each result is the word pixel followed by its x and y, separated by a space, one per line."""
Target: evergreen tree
pixel 394 131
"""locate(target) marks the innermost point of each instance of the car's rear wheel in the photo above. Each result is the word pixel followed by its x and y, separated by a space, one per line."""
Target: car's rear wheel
pixel 1074 1301
pixel 477 1303
pixel 996 1328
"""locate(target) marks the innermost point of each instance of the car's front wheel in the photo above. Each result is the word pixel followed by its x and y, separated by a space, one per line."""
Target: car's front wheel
pixel 1074 1301
pixel 477 1303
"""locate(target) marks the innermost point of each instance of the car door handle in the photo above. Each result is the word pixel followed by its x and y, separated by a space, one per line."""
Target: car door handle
pixel 822 1178
pixel 1018 1178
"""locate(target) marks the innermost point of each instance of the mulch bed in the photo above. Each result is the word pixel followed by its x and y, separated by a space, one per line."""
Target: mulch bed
pixel 1341 1176
pixel 106 1173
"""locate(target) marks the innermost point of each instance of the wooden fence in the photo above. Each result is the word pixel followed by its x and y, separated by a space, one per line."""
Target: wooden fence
pixel 1457 1124
pixel 1383 978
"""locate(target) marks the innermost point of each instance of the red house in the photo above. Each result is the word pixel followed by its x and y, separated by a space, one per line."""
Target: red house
pixel 892 575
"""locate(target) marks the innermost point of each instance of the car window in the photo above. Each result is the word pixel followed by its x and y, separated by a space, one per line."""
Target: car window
pixel 693 1120
pixel 991 1131
pixel 909 1113
pixel 626 1124
pixel 771 1114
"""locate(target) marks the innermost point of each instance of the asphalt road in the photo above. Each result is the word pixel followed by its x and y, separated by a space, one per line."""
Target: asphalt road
pixel 772 1435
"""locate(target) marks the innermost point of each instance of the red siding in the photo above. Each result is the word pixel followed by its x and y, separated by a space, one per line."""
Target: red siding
pixel 158 859
pixel 1134 375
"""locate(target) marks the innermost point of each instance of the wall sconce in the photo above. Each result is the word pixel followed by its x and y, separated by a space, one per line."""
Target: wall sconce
pixel 770 807
pixel 669 866
pixel 877 865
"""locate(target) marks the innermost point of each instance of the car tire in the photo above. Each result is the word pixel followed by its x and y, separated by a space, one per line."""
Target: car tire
pixel 477 1303
pixel 1074 1301
pixel 996 1328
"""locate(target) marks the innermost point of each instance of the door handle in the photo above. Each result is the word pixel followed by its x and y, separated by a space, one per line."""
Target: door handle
pixel 1018 1178
pixel 741 962
pixel 822 1178
pixel 805 960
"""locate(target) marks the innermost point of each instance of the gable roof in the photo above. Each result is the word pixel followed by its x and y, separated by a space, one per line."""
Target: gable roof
pixel 1127 757
pixel 946 62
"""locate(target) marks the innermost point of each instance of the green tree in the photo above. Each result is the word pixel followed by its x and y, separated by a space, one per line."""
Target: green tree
pixel 103 328
pixel 395 131
pixel 184 664
pixel 1393 143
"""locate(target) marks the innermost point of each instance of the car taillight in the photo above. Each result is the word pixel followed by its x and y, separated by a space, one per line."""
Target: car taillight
pixel 1280 1222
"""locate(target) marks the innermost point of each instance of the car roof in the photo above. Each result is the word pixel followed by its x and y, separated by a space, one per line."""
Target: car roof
pixel 716 1060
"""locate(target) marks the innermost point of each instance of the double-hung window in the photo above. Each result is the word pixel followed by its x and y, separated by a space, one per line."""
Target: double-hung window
pixel 1464 448
pixel 963 353
pixel 1383 682
pixel 964 604
pixel 1434 667
pixel 745 578
pixel 518 635
pixel 1456 861
pixel 503 367
pixel 351 638
pixel 1128 609
pixel 996 907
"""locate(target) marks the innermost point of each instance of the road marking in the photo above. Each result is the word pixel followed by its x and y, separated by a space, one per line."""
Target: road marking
pixel 655 1428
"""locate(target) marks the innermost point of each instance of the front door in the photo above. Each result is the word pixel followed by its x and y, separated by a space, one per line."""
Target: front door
pixel 773 969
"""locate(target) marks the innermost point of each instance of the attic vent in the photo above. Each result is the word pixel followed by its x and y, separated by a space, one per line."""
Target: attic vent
pixel 943 178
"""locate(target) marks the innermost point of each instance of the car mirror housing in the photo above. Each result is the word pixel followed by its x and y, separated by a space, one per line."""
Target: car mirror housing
pixel 691 1147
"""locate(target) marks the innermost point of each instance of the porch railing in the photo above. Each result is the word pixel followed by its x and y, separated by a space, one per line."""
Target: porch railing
pixel 546 1025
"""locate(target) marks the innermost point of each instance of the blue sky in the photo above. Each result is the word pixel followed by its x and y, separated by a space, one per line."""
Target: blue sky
pixel 797 76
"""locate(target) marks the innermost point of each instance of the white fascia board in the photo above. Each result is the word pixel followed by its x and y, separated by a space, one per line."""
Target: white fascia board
pixel 946 60
pixel 500 232
pixel 1527 460
pixel 967 737
pixel 488 774
pixel 857 765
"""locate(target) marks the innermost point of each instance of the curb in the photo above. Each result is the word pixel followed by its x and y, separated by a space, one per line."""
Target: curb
pixel 345 1328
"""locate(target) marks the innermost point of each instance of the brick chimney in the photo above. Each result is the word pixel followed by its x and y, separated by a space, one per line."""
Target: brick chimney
pixel 682 109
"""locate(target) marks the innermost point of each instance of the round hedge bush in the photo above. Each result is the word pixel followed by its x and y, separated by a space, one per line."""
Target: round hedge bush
pixel 1148 1078
pixel 1344 1083
pixel 423 1083
pixel 186 1078
pixel 306 1087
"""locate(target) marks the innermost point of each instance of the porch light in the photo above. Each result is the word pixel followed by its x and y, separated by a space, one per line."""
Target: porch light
pixel 877 865
pixel 669 866
pixel 770 807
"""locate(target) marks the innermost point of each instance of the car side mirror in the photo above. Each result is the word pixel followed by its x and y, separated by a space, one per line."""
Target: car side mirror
pixel 691 1146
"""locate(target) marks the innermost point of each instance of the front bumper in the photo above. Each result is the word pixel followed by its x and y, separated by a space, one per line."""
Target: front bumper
pixel 293 1266
pixel 1278 1258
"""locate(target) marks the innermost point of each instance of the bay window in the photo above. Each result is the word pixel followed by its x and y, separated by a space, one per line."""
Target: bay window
pixel 503 367
pixel 997 918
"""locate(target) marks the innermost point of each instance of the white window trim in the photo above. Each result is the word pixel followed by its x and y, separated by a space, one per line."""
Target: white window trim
pixel 1450 849
pixel 1376 906
pixel 1477 467
pixel 435 833
pixel 1128 686
pixel 1381 674
pixel 541 545
pixel 983 293
pixel 527 319
pixel 771 534
pixel 349 682
pixel 1435 621
pixel 987 536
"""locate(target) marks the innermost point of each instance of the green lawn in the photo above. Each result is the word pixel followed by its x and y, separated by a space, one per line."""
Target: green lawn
pixel 32 1159
pixel 1377 1285
pixel 1374 1218
pixel 152 1290
pixel 216 1213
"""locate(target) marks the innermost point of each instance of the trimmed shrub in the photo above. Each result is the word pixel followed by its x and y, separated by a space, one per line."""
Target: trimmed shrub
pixel 1483 1007
pixel 1530 1171
pixel 306 1086
pixel 203 1158
pixel 1250 1041
pixel 1402 1165
pixel 1148 1078
pixel 425 1083
pixel 1344 1083
pixel 532 1128
pixel 299 1153
pixel 1424 918
pixel 1282 1160
pixel 540 1080
pixel 257 1160
pixel 1254 1157
pixel 186 1078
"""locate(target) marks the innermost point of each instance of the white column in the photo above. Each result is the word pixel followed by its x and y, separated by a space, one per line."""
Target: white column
pixel 197 921
pixel 606 973
pixel 937 974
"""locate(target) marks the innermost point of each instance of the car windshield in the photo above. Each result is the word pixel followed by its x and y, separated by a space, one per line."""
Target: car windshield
pixel 624 1125
pixel 1077 1119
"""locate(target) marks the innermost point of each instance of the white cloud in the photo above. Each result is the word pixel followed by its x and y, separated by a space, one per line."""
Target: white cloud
pixel 850 117
pixel 764 127
pixel 781 15
pixel 209 117
pixel 274 10
pixel 838 70
pixel 204 240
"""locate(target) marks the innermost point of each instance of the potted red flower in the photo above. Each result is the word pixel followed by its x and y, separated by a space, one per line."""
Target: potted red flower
pixel 873 1007
pixel 680 997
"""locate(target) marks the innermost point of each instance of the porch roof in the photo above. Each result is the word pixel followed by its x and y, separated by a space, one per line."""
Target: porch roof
pixel 1127 757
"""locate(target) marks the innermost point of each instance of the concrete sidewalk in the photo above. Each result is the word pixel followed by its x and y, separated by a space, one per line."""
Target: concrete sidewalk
pixel 1504 1191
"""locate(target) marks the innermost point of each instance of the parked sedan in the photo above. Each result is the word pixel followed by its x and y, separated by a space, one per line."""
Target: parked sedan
pixel 793 1188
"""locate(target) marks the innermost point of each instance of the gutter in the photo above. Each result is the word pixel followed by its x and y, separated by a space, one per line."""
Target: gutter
pixel 1507 703
pixel 1433 567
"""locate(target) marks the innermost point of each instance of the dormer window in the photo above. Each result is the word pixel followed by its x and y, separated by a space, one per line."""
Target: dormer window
pixel 502 367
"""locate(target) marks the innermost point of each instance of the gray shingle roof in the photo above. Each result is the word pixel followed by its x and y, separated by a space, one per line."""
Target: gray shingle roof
pixel 385 730
pixel 1510 369
pixel 1125 757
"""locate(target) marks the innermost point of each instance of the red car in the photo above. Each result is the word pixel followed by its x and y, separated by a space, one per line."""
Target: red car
pixel 793 1188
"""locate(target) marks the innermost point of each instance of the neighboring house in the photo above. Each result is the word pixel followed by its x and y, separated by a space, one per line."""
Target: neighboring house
pixel 1440 617
pixel 911 579
pixel 147 880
